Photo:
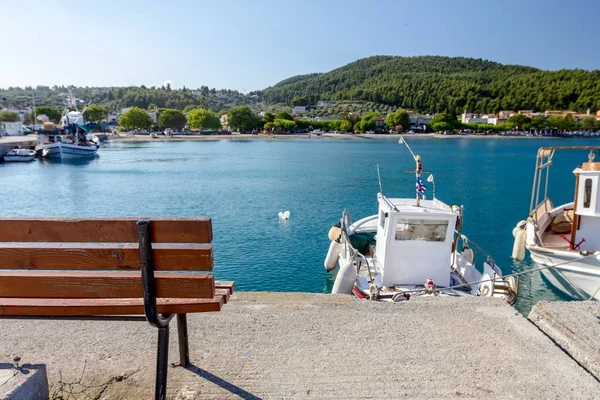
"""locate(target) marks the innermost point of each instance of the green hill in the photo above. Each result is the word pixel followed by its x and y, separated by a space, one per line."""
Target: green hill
pixel 434 84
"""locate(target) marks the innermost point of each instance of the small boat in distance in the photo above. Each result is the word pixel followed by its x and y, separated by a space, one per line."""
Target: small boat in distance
pixel 411 248
pixel 19 155
pixel 564 240
pixel 76 142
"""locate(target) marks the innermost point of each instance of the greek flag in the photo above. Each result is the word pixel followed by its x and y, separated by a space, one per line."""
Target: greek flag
pixel 420 187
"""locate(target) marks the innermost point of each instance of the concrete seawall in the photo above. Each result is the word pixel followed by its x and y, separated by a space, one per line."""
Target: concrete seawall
pixel 7 143
pixel 311 346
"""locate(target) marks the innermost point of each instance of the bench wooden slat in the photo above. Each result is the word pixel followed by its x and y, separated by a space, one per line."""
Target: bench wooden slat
pixel 102 285
pixel 98 307
pixel 227 285
pixel 53 256
pixel 176 230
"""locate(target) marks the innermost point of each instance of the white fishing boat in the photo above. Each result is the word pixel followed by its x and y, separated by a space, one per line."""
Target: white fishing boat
pixel 19 155
pixel 564 240
pixel 76 142
pixel 411 248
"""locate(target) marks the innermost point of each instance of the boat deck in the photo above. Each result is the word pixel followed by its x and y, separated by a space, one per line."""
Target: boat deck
pixel 558 232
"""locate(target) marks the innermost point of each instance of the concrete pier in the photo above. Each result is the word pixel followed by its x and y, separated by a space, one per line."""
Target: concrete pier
pixel 23 382
pixel 311 346
pixel 575 327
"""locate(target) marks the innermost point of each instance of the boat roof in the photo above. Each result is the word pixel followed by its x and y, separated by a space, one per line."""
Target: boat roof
pixel 409 205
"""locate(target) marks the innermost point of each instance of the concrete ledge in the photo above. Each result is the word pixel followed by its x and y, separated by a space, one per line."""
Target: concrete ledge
pixel 29 382
pixel 575 327
pixel 312 346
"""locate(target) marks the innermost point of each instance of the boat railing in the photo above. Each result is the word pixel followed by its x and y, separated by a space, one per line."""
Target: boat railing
pixel 543 162
pixel 475 248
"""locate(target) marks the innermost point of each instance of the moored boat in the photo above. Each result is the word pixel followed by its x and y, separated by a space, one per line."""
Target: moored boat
pixel 20 155
pixel 411 248
pixel 76 142
pixel 564 241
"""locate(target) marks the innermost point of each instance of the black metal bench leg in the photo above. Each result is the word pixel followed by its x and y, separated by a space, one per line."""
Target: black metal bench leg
pixel 162 357
pixel 182 332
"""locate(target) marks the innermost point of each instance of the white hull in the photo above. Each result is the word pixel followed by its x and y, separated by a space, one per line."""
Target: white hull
pixel 18 158
pixel 66 151
pixel 580 278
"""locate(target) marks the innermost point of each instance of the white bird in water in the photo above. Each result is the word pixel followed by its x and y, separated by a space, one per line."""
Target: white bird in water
pixel 284 215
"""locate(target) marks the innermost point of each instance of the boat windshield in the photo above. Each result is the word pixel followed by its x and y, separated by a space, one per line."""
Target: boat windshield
pixel 421 229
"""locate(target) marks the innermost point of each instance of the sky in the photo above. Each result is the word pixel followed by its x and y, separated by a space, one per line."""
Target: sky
pixel 252 44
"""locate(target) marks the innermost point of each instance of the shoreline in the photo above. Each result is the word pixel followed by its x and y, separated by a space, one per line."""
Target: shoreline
pixel 326 136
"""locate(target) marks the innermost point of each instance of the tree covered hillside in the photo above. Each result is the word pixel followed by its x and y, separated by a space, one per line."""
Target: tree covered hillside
pixel 116 98
pixel 434 84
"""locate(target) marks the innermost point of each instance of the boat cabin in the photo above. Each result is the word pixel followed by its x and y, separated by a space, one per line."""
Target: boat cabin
pixel 586 225
pixel 414 243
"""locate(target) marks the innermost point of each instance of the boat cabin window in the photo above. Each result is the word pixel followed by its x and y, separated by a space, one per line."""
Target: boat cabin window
pixel 587 194
pixel 382 216
pixel 421 229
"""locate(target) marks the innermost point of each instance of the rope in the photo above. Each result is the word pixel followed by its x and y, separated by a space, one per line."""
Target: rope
pixel 592 296
pixel 529 271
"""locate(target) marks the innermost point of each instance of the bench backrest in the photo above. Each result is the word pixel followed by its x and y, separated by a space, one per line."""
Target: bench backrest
pixel 100 258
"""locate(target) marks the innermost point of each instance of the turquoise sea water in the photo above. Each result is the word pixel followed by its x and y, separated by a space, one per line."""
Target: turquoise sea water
pixel 242 185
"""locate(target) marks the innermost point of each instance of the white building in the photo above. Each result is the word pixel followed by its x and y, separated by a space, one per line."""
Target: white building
pixel 22 112
pixel 112 117
pixel 418 120
pixel 11 128
pixel 223 120
pixel 299 110
pixel 327 118
pixel 470 118
pixel 325 103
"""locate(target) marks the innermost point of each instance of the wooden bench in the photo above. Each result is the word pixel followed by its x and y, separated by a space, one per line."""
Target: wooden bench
pixel 105 269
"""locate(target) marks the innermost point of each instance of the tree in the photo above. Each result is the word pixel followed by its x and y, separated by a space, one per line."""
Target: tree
pixel 520 121
pixel 269 126
pixel 444 122
pixel 152 106
pixel 285 124
pixel 269 117
pixel 345 126
pixel 52 113
pixel 539 122
pixel 399 117
pixel 284 115
pixel 9 116
pixel 135 118
pixel 588 123
pixel 242 118
pixel 201 118
pixel 171 119
pixel 555 122
pixel 95 113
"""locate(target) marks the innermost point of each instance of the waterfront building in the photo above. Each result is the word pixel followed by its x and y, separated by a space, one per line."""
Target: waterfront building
pixel 11 128
pixel 471 118
pixel 505 114
pixel 113 117
pixel 299 110
pixel 328 118
pixel 223 120
pixel 325 103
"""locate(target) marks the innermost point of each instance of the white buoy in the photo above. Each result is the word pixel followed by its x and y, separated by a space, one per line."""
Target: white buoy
pixel 284 215
pixel 344 280
pixel 332 256
pixel 468 255
pixel 518 252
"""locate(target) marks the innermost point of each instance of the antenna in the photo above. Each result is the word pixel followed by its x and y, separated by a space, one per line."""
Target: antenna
pixel 418 169
pixel 379 179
